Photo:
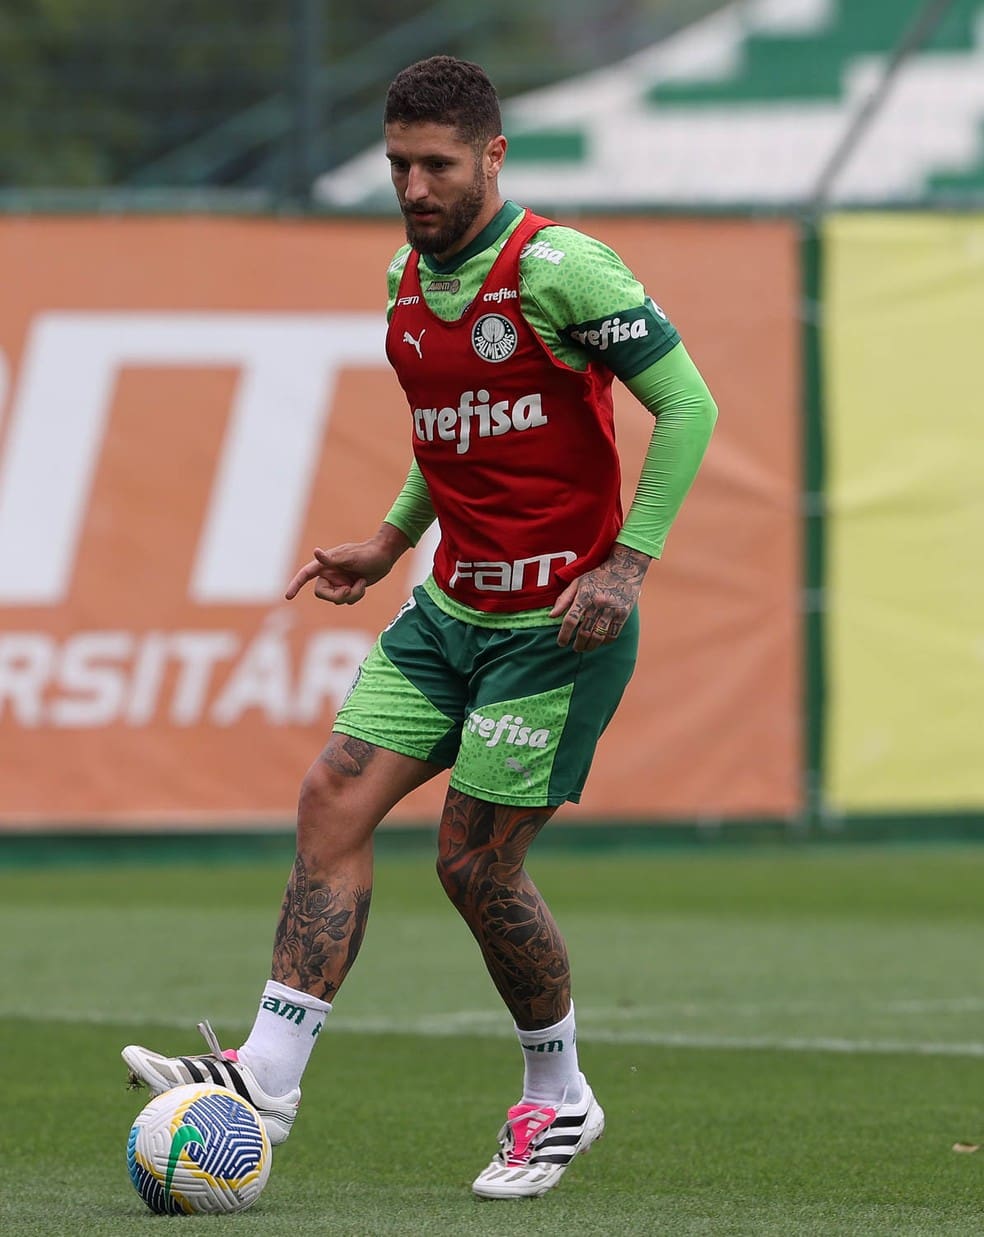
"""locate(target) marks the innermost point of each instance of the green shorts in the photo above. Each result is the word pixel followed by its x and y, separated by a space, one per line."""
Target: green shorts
pixel 511 713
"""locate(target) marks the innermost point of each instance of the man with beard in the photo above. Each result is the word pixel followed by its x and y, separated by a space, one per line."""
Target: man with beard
pixel 505 666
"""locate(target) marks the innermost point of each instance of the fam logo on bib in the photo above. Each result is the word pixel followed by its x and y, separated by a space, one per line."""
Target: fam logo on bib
pixel 494 338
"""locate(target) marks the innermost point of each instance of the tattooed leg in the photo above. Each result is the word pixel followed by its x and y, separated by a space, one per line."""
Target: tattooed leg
pixel 345 794
pixel 322 923
pixel 482 849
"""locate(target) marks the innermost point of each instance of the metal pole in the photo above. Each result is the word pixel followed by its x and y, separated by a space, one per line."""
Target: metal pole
pixel 925 23
pixel 305 97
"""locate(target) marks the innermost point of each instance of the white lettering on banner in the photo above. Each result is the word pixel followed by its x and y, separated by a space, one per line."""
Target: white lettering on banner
pixel 184 678
pixel 288 366
pixel 198 654
pixel 93 690
pixel 503 577
pixel 490 418
pixel 150 663
pixel 261 680
pixel 27 659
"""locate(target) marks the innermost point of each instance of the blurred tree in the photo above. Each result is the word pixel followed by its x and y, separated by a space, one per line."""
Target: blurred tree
pixel 97 90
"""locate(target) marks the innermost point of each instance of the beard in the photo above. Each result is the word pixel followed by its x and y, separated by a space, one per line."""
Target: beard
pixel 458 218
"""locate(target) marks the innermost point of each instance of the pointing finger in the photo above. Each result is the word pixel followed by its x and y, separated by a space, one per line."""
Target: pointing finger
pixel 308 572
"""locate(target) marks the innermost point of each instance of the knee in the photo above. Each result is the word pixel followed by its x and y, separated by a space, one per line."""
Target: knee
pixel 320 789
pixel 329 814
pixel 454 873
pixel 465 871
pixel 446 875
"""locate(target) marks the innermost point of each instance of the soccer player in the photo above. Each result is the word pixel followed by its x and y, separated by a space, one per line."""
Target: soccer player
pixel 505 331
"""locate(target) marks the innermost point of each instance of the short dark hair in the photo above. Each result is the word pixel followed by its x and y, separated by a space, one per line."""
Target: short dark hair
pixel 446 91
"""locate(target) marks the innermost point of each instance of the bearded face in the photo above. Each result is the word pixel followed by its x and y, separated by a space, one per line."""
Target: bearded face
pixel 445 186
pixel 438 229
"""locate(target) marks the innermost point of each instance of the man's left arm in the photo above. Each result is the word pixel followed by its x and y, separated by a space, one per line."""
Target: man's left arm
pixel 676 394
pixel 588 306
pixel 598 603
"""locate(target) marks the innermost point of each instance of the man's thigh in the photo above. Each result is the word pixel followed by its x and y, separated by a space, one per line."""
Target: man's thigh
pixel 517 716
pixel 408 696
pixel 535 714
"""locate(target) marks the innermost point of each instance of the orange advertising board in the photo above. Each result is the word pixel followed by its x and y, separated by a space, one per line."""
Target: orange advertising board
pixel 188 406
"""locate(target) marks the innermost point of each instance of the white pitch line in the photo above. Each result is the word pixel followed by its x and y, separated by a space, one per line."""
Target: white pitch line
pixel 751 1009
pixel 924 1048
pixel 482 1023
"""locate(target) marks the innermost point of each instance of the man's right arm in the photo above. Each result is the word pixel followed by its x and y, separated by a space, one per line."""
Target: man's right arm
pixel 412 512
pixel 343 573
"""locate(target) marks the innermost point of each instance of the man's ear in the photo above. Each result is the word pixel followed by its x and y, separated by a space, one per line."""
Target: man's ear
pixel 494 156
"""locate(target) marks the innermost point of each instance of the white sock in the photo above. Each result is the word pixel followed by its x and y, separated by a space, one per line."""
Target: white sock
pixel 286 1029
pixel 551 1075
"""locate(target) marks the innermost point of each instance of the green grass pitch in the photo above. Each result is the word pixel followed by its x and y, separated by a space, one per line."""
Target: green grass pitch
pixel 786 1041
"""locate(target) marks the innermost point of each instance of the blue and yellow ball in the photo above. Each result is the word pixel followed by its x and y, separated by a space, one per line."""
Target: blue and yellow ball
pixel 198 1149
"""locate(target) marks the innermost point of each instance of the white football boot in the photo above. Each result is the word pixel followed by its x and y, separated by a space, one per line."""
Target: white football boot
pixel 159 1073
pixel 536 1145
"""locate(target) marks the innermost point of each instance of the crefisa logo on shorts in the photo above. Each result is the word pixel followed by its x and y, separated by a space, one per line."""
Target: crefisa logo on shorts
pixel 494 338
pixel 507 729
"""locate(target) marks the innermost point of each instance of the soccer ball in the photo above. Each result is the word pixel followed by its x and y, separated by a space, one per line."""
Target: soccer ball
pixel 198 1148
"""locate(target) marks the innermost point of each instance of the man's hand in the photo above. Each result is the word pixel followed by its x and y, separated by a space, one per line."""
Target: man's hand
pixel 344 572
pixel 598 603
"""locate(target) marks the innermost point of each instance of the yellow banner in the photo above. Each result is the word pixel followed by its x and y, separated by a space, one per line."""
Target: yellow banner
pixel 904 326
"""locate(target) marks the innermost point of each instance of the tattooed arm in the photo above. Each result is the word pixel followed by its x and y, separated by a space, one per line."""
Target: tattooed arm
pixel 598 603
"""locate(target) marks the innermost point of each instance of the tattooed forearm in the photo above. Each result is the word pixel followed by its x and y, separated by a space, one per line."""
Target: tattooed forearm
pixel 482 850
pixel 613 588
pixel 627 563
pixel 319 933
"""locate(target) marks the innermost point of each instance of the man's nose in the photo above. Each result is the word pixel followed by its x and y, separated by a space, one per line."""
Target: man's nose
pixel 417 187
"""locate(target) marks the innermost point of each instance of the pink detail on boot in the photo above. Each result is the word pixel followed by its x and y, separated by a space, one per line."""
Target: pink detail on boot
pixel 231 1054
pixel 526 1121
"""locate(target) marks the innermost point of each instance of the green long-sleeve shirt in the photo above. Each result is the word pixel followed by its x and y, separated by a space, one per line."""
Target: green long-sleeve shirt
pixel 572 288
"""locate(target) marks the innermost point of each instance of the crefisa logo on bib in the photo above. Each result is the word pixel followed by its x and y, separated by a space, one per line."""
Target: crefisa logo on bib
pixel 494 337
